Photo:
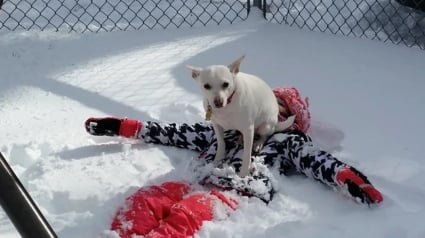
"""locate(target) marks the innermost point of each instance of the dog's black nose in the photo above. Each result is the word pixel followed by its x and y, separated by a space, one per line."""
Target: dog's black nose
pixel 218 102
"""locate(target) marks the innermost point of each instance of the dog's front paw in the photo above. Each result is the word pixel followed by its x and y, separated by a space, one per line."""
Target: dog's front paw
pixel 244 171
pixel 257 146
pixel 258 143
pixel 219 156
pixel 217 159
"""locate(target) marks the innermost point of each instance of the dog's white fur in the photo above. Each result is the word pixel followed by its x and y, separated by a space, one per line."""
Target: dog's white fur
pixel 253 108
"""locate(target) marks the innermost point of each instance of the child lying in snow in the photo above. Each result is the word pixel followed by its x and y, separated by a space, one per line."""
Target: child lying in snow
pixel 291 151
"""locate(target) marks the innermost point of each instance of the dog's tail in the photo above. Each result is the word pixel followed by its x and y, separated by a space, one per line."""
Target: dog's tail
pixel 283 125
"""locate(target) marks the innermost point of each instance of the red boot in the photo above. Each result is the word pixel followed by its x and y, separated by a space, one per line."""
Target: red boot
pixel 358 186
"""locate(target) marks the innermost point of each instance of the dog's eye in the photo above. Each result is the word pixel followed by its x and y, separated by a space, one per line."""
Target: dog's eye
pixel 225 85
pixel 207 86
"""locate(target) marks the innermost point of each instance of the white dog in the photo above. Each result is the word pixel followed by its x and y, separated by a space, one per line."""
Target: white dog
pixel 239 101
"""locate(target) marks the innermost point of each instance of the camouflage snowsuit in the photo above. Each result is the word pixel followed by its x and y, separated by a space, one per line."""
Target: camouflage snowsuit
pixel 291 151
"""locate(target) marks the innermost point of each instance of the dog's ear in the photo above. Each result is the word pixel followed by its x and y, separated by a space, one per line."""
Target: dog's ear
pixel 196 71
pixel 234 67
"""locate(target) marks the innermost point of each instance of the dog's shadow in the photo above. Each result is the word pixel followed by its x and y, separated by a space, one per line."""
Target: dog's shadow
pixel 179 158
pixel 96 150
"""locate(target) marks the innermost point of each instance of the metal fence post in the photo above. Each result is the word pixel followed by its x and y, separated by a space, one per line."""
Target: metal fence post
pixel 262 5
pixel 19 206
pixel 258 3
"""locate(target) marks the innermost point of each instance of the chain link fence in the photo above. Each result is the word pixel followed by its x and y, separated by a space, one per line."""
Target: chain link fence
pixel 400 22
pixel 397 21
pixel 109 15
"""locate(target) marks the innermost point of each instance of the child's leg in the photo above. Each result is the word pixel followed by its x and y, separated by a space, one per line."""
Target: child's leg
pixel 296 150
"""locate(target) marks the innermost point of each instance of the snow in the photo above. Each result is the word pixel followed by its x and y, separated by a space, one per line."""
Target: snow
pixel 366 99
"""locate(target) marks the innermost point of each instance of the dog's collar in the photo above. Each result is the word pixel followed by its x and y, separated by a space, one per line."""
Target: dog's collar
pixel 229 99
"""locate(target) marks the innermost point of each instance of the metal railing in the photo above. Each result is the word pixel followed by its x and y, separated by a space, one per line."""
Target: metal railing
pixel 20 207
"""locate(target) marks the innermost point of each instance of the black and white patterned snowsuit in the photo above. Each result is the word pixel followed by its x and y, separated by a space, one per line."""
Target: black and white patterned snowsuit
pixel 291 151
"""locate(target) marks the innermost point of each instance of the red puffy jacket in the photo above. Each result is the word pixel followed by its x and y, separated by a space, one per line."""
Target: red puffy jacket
pixel 168 210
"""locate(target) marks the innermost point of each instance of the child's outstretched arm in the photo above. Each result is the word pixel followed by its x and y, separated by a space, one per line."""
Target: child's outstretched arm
pixel 195 137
